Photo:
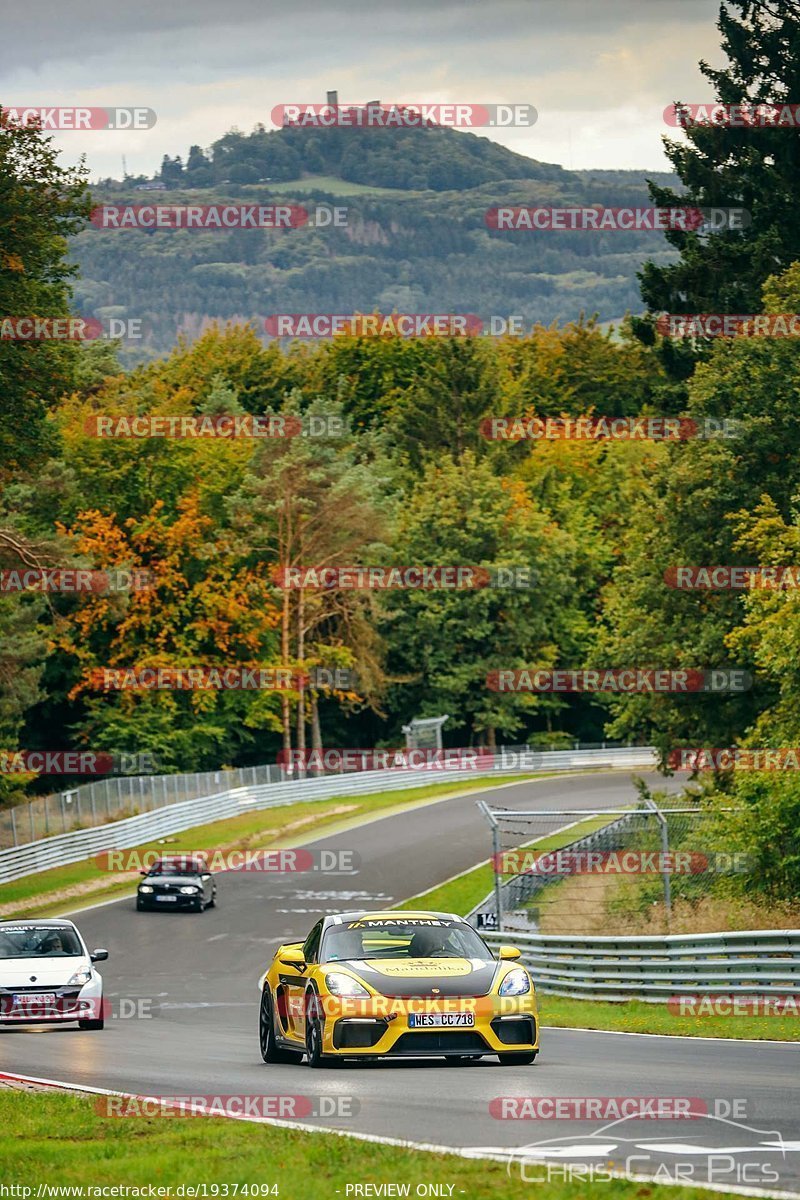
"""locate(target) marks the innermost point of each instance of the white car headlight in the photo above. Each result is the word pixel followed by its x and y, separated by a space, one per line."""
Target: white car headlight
pixel 344 985
pixel 189 891
pixel 145 887
pixel 516 983
pixel 80 978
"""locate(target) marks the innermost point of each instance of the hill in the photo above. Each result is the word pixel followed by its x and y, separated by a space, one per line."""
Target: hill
pixel 416 238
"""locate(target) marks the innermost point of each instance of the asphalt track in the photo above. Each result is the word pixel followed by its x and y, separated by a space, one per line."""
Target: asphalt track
pixel 197 973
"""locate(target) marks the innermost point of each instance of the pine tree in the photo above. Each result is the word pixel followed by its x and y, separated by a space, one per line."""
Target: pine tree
pixel 755 168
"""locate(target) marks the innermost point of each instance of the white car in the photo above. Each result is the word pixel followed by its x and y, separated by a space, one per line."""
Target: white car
pixel 47 975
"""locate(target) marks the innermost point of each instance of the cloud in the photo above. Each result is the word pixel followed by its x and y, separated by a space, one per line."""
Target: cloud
pixel 600 75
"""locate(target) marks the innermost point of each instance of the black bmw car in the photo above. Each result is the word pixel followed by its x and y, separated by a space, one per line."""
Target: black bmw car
pixel 170 885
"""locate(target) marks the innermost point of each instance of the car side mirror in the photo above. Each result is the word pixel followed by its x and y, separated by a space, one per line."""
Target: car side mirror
pixel 144 872
pixel 510 952
pixel 293 958
pixel 206 875
pixel 99 955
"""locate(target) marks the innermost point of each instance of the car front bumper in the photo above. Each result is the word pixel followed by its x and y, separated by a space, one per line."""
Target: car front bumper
pixel 385 1028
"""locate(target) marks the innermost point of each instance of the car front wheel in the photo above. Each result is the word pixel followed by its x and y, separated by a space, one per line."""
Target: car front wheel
pixel 314 1033
pixel 270 1051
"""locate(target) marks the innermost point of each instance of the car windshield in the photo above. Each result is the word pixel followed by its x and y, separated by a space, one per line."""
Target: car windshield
pixel 38 941
pixel 381 938
pixel 175 868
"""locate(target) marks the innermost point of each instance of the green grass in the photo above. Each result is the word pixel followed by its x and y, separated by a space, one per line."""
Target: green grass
pixel 61 1140
pixel 635 1016
pixel 462 894
pixel 49 891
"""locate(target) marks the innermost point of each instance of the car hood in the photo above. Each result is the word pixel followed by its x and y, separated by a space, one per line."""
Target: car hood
pixel 415 977
pixel 49 972
pixel 176 880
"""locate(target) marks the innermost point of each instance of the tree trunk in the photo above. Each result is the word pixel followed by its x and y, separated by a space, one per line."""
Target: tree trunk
pixel 491 737
pixel 286 711
pixel 316 731
pixel 301 687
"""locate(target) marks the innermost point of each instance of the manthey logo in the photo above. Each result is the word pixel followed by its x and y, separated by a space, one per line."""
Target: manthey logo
pixel 717 1151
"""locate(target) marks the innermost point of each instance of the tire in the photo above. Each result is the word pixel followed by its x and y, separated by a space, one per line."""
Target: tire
pixel 314 1054
pixel 270 1052
pixel 522 1059
pixel 199 906
pixel 213 901
pixel 91 1024
pixel 139 906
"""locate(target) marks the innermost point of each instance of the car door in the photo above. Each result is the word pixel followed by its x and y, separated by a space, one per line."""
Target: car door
pixel 294 981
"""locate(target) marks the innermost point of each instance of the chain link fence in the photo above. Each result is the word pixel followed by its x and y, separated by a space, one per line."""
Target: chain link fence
pixel 115 797
pixel 620 871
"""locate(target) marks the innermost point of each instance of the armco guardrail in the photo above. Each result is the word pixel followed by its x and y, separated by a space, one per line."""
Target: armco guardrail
pixel 763 963
pixel 66 848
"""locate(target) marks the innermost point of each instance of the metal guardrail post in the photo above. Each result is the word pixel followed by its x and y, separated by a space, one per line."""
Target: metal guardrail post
pixel 498 894
pixel 662 820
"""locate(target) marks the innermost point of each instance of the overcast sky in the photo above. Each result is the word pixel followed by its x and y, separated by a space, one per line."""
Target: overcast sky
pixel 599 72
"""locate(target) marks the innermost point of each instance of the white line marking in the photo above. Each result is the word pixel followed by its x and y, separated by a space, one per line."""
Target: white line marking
pixel 686 1037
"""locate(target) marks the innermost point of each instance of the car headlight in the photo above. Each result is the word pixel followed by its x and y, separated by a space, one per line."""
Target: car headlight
pixel 344 985
pixel 80 978
pixel 516 983
pixel 145 887
pixel 189 891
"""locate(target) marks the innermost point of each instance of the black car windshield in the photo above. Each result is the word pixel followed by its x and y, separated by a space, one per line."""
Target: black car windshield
pixel 378 938
pixel 173 868
pixel 38 941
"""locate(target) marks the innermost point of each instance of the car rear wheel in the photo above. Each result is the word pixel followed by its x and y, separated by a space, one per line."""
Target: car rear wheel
pixel 270 1051
pixel 518 1060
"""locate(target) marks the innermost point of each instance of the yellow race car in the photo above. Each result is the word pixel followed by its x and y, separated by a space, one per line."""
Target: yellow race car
pixel 396 984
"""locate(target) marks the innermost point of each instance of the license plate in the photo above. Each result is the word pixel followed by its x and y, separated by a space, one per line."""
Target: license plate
pixel 166 899
pixel 437 1020
pixel 36 1000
